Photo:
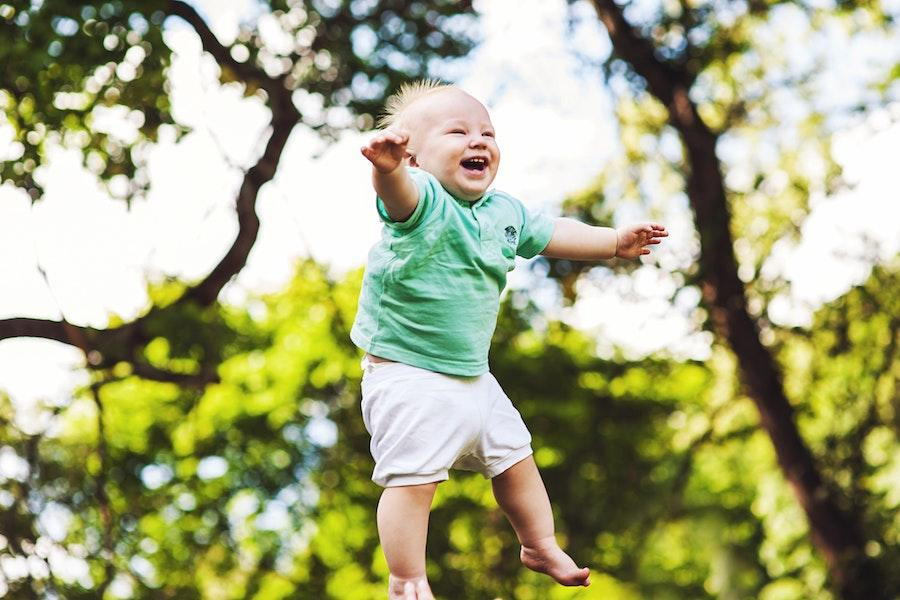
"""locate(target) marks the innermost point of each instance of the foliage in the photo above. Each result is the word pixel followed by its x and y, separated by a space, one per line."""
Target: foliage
pixel 188 472
pixel 257 485
pixel 67 64
pixel 152 466
pixel 757 74
pixel 661 481
pixel 844 375
pixel 720 109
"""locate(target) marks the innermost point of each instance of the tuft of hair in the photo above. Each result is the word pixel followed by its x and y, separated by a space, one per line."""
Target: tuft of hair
pixel 406 95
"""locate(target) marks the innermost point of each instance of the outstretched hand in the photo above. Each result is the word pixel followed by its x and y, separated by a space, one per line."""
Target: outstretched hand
pixel 386 150
pixel 633 239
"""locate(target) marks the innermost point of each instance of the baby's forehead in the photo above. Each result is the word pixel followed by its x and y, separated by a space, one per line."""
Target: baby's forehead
pixel 447 105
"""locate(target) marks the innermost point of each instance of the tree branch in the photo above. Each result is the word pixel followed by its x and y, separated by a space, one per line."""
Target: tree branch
pixel 195 380
pixel 103 505
pixel 211 44
pixel 284 116
pixel 35 328
pixel 117 343
pixel 662 78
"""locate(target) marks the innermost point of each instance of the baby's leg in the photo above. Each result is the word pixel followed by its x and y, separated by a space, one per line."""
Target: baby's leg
pixel 402 528
pixel 521 494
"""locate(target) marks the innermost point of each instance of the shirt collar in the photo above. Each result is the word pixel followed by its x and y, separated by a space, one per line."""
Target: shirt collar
pixel 476 204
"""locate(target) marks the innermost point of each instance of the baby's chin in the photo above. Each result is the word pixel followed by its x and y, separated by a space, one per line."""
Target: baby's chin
pixel 469 191
pixel 469 194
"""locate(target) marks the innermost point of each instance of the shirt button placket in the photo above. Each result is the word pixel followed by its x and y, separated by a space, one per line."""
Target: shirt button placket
pixel 481 227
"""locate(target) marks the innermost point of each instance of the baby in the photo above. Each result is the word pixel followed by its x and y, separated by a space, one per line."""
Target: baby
pixel 427 311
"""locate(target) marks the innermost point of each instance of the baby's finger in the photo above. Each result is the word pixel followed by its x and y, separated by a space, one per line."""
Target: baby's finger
pixel 401 133
pixel 372 148
pixel 395 138
pixel 380 141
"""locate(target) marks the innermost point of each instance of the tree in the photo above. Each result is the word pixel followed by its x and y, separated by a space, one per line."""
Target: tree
pixel 661 477
pixel 160 488
pixel 202 460
pixel 61 63
pixel 91 54
pixel 697 71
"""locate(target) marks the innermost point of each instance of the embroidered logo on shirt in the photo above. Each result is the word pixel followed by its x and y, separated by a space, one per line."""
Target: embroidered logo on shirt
pixel 511 235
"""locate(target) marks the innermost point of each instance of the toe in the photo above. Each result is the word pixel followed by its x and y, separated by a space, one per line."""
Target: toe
pixel 409 591
pixel 423 592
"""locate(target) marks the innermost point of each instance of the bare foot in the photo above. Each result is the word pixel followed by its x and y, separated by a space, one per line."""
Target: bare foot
pixel 409 589
pixel 545 556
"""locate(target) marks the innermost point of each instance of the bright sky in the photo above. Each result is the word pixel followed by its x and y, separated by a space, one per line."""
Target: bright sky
pixel 555 131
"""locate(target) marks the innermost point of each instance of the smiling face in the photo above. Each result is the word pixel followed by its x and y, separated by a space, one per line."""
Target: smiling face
pixel 451 137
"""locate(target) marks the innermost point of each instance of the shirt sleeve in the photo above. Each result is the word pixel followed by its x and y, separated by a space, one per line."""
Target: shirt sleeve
pixel 428 193
pixel 537 229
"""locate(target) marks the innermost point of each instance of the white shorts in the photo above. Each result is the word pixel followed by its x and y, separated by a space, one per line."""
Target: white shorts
pixel 424 423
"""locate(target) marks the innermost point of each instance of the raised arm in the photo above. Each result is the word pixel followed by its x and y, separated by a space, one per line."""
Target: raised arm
pixel 575 240
pixel 392 183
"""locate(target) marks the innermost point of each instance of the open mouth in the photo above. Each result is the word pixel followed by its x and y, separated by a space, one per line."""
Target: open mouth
pixel 475 164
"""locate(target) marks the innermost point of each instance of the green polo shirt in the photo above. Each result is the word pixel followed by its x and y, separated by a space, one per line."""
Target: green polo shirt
pixel 432 285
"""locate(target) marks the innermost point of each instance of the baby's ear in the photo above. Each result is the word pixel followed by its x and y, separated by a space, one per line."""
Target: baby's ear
pixel 411 160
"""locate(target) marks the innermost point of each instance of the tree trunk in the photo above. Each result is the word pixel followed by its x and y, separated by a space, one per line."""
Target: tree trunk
pixel 836 533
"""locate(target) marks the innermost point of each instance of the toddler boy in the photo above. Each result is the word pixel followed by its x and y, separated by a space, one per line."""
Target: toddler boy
pixel 427 311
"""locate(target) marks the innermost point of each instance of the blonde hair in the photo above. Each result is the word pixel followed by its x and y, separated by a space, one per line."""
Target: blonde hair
pixel 405 96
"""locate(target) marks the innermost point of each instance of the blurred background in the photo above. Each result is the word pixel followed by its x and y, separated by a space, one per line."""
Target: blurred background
pixel 184 220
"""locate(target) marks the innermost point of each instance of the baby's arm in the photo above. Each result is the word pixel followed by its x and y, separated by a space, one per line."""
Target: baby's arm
pixel 392 183
pixel 575 240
